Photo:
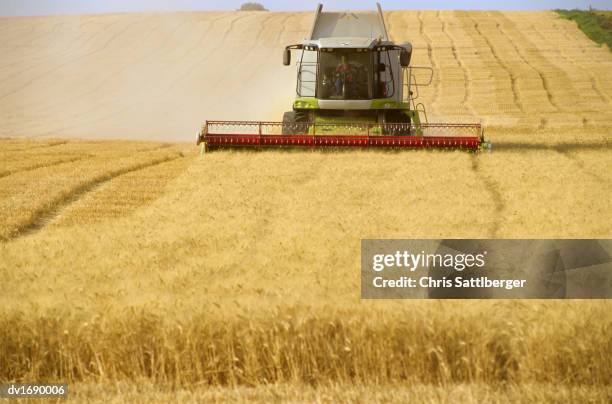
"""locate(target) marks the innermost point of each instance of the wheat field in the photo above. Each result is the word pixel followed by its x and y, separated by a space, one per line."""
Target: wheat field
pixel 138 271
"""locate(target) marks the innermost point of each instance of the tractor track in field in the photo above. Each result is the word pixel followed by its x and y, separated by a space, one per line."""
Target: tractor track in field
pixel 41 165
pixel 594 84
pixel 565 149
pixel 431 60
pixel 207 55
pixel 58 143
pixel 565 152
pixel 244 59
pixel 279 35
pixel 500 62
pixel 58 55
pixel 493 190
pixel 283 29
pixel 68 63
pixel 543 79
pixel 466 77
pixel 102 82
pixel 160 147
pixel 568 146
pixel 46 216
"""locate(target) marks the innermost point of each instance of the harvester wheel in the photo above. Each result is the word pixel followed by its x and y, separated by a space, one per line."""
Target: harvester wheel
pixel 399 118
pixel 295 123
pixel 302 116
pixel 289 123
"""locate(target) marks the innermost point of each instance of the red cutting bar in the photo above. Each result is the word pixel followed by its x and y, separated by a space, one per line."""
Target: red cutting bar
pixel 465 136
pixel 343 141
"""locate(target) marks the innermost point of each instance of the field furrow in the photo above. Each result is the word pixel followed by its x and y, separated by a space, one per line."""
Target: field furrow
pixel 56 208
pixel 27 163
pixel 509 72
pixel 120 195
pixel 29 197
pixel 466 77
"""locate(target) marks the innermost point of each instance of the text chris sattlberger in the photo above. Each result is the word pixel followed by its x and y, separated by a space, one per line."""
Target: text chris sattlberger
pixel 408 261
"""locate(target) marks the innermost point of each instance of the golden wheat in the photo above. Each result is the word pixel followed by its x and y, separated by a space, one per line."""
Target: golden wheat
pixel 428 343
pixel 214 244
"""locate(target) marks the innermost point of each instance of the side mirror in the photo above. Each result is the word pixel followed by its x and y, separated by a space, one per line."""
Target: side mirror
pixel 382 67
pixel 287 57
pixel 406 55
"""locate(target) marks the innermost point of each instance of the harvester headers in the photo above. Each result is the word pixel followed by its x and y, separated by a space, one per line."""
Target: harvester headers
pixel 305 134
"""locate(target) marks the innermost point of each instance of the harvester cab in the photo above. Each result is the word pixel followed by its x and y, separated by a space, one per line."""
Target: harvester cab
pixel 355 88
pixel 348 69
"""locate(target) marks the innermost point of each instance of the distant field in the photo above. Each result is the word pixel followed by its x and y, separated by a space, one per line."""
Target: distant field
pixel 159 76
pixel 236 276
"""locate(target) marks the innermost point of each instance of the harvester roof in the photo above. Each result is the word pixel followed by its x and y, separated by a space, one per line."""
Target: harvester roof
pixel 351 29
pixel 344 42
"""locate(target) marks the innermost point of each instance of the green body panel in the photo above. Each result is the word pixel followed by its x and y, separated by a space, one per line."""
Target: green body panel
pixel 306 103
pixel 342 119
pixel 355 130
pixel 322 130
pixel 379 103
pixel 312 104
pixel 388 103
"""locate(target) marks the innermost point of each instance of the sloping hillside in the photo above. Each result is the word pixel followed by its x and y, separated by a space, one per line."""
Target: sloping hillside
pixel 158 76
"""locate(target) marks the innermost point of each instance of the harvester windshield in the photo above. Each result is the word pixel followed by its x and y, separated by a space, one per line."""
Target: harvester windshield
pixel 344 74
pixel 353 74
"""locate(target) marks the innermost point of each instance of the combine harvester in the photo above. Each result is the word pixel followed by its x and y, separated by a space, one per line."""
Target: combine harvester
pixel 355 88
